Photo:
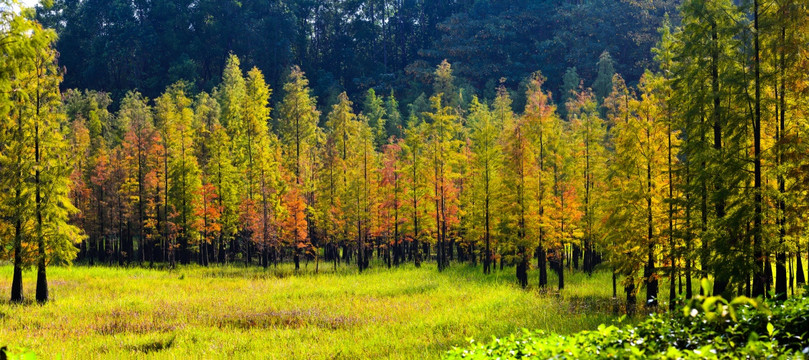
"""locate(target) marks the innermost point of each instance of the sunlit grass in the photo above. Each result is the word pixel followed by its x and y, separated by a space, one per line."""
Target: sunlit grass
pixel 192 312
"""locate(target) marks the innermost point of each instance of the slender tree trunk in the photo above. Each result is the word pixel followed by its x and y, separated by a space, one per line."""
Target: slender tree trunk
pixel 704 266
pixel 360 244
pixel 522 268
pixel 522 257
pixel 156 243
pixel 541 254
pixel 439 244
pixel 487 260
pixel 799 276
pixel 559 255
pixel 16 280
pixel 42 278
pixel 757 250
pixel 416 248
pixel 221 252
pixel 142 243
pixel 396 241
pixel 672 250
pixel 614 284
pixel 631 299
pixel 561 268
pixel 719 205
pixel 689 263
pixel 266 218
pixel 649 271
pixel 780 258
pixel 768 275
pixel 99 253
pixel 166 240
pixel 791 275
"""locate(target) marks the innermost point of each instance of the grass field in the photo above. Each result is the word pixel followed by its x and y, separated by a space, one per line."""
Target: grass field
pixel 405 313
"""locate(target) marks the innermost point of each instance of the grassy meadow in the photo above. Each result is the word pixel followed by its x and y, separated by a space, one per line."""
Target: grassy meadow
pixel 193 312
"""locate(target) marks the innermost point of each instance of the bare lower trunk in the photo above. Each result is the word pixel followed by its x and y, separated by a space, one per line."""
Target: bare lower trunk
pixel 631 300
pixel 799 276
pixel 16 282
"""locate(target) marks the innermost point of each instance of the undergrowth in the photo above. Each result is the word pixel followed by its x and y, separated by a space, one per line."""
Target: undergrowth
pixel 706 328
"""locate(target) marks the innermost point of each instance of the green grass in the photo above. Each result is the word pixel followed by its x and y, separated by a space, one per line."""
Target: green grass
pixel 217 312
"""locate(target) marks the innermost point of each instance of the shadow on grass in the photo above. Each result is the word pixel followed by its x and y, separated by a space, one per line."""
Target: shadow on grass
pixel 285 319
pixel 27 301
pixel 151 346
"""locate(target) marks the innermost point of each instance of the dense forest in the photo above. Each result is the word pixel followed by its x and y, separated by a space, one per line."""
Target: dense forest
pixel 349 45
pixel 674 149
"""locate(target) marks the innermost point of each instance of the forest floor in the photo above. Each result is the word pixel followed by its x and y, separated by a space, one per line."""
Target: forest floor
pixel 218 312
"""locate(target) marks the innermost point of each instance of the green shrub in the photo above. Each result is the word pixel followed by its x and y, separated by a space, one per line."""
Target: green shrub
pixel 12 354
pixel 707 328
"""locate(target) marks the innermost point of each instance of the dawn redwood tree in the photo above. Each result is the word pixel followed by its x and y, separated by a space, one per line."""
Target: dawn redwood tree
pixel 589 134
pixel 233 171
pixel 15 142
pixel 118 211
pixel 779 35
pixel 97 172
pixel 790 22
pixel 715 140
pixel 758 251
pixel 298 119
pixel 443 147
pixel 206 115
pixel 364 188
pixel 139 147
pixel 517 175
pixel 183 175
pixel 414 169
pixel 565 211
pixel 639 173
pixel 627 196
pixel 263 171
pixel 231 94
pixel 52 208
pixel 628 216
pixel 466 238
pixel 33 152
pixel 541 116
pixel 80 193
pixel 487 162
pixel 297 126
pixel 223 175
pixel 342 126
pixel 390 204
pixel 661 84
pixel 270 188
pixel 328 213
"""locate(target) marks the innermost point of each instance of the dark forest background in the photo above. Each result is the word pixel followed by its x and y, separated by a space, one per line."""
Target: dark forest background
pixel 351 45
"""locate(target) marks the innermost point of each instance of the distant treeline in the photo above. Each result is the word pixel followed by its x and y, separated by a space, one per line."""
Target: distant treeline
pixel 350 45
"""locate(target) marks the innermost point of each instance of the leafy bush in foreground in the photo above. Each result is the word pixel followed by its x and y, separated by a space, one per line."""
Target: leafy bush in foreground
pixel 707 328
pixel 12 354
